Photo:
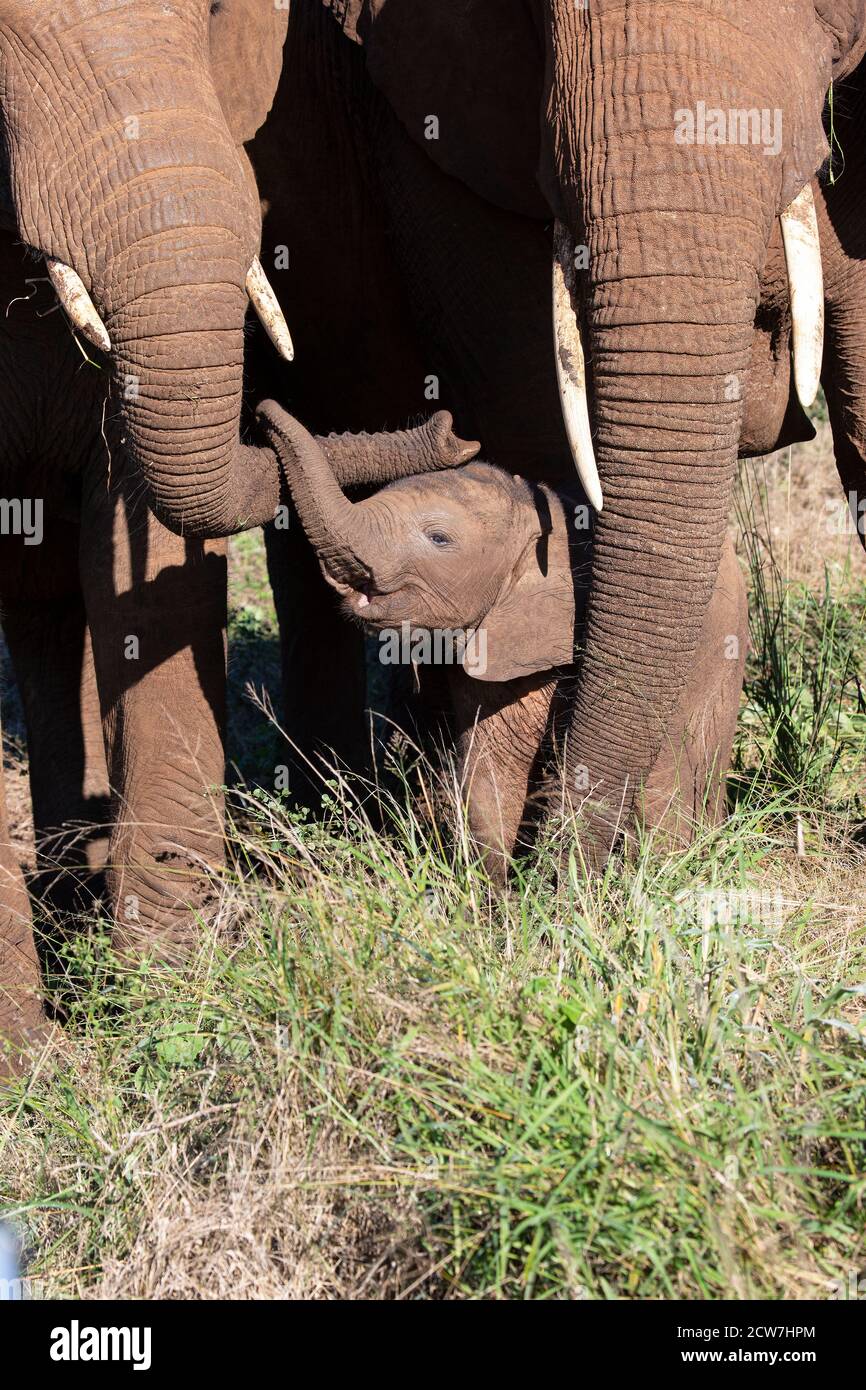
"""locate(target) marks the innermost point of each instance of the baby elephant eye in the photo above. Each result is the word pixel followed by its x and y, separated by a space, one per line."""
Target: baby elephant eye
pixel 438 538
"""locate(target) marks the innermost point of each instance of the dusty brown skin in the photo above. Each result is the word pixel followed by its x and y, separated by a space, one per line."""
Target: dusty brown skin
pixel 148 196
pixel 510 734
pixel 686 286
pixel 158 219
pixel 477 549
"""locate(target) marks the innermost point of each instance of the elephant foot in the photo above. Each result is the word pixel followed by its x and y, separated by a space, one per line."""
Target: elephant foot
pixel 160 907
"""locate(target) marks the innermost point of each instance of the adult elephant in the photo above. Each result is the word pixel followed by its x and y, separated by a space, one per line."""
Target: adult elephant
pixel 665 141
pixel 122 171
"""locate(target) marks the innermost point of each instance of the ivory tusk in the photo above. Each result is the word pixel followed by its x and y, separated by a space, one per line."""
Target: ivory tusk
pixel 266 305
pixel 806 288
pixel 570 368
pixel 71 292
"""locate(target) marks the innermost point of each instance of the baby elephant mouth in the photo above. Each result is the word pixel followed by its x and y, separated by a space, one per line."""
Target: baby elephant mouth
pixel 364 604
pixel 354 598
pixel 375 606
pixel 359 603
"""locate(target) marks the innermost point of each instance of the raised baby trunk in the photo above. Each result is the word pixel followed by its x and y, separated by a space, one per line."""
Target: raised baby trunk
pixel 352 542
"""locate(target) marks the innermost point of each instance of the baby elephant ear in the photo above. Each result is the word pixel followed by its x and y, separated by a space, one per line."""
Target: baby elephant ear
pixel 530 628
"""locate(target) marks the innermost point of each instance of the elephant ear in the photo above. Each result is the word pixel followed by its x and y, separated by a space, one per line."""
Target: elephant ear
pixel 246 45
pixel 845 23
pixel 531 627
pixel 465 79
pixel 353 16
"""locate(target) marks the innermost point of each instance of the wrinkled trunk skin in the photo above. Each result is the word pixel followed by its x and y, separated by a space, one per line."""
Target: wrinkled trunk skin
pixel 141 189
pixel 676 237
pixel 338 532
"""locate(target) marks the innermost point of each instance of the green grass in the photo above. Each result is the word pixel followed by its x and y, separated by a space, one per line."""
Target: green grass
pixel 379 1079
pixel 803 724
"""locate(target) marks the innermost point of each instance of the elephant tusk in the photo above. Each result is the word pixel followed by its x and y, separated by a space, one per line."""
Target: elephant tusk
pixel 570 368
pixel 266 305
pixel 806 288
pixel 71 292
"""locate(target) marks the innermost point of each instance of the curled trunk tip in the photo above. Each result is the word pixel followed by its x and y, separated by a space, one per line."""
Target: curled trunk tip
pixel 383 458
pixel 335 529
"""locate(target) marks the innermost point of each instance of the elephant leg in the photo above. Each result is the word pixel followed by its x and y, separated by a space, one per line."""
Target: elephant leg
pixel 501 733
pixel 51 651
pixel 324 681
pixel 21 1014
pixel 156 606
pixel 358 364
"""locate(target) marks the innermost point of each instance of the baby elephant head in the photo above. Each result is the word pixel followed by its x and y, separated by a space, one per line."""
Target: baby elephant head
pixel 467 549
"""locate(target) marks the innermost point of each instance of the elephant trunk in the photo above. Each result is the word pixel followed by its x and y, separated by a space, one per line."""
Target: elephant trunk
pixel 666 459
pixel 343 536
pixel 675 236
pixel 356 459
pixel 148 218
pixel 843 234
pixel 180 392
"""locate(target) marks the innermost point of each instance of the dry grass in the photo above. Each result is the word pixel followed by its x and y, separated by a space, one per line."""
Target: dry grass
pixel 804 518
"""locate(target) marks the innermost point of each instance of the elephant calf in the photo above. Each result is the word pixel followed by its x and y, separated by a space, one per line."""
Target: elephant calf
pixel 476 549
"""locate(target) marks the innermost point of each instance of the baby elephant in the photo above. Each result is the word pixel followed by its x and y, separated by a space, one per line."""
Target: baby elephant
pixel 476 549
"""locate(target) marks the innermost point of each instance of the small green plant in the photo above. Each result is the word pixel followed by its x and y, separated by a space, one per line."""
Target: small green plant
pixel 804 721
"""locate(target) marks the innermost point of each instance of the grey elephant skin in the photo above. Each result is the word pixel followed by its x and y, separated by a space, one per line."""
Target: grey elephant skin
pixel 500 567
pixel 436 145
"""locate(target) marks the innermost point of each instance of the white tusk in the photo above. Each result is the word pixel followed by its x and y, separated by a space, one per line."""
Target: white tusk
pixel 267 307
pixel 806 288
pixel 570 368
pixel 81 309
